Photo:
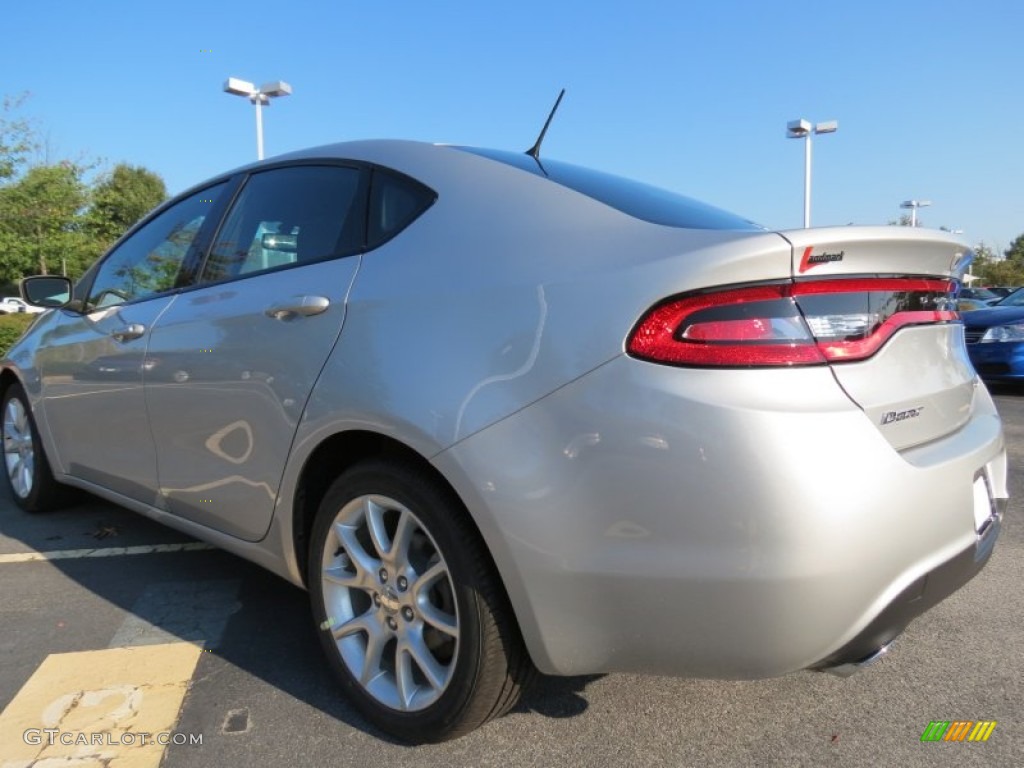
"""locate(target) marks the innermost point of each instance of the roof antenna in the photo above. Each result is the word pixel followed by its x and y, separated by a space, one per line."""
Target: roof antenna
pixel 534 151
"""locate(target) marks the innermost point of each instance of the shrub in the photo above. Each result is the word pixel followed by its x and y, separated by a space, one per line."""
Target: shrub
pixel 11 328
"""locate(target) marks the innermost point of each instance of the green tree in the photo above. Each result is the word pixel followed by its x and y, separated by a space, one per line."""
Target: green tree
pixel 121 198
pixel 994 269
pixel 1015 253
pixel 51 219
pixel 41 222
pixel 17 138
pixel 984 258
pixel 902 221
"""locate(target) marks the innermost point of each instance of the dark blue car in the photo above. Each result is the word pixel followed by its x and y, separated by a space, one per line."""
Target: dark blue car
pixel 995 338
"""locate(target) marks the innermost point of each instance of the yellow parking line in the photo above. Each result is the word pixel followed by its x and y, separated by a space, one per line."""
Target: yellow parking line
pixel 94 707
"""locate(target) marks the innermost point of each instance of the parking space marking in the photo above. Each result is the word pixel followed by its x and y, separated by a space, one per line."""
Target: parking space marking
pixel 112 707
pixel 70 554
pixel 166 612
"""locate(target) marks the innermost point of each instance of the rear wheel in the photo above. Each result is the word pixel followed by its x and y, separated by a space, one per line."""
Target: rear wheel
pixel 410 611
pixel 27 469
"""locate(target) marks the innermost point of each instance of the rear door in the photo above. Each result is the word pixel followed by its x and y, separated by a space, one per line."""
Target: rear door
pixel 880 304
pixel 231 363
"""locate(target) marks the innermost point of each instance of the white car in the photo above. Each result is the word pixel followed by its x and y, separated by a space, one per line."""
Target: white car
pixel 10 305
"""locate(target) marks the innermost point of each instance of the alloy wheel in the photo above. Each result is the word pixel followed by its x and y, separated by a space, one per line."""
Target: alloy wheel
pixel 389 602
pixel 19 452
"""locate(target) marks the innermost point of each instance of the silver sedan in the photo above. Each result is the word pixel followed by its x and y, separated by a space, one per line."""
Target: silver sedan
pixel 500 414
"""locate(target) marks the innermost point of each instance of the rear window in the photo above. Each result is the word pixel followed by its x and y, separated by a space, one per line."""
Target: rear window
pixel 642 201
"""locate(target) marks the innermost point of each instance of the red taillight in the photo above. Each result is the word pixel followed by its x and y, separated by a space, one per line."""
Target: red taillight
pixel 804 323
pixel 740 327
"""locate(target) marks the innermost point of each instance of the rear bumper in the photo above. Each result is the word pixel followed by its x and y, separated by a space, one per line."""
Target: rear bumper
pixel 721 524
pixel 924 593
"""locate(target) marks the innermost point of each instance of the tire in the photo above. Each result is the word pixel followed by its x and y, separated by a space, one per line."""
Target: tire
pixel 25 464
pixel 409 608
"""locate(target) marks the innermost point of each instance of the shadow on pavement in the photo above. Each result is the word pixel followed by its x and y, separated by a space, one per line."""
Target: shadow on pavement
pixel 268 635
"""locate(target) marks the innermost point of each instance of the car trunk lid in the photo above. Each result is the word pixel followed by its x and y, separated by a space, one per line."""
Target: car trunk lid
pixel 894 285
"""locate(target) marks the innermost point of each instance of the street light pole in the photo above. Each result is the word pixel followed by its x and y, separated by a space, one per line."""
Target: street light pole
pixel 913 205
pixel 259 128
pixel 260 97
pixel 807 181
pixel 802 129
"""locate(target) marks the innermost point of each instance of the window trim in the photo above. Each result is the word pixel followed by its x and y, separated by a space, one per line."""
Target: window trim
pixel 192 267
pixel 189 277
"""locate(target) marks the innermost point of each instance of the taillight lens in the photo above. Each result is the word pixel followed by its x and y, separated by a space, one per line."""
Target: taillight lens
pixel 804 323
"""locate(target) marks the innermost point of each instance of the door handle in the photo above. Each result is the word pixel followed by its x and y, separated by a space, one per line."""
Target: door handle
pixel 300 306
pixel 129 332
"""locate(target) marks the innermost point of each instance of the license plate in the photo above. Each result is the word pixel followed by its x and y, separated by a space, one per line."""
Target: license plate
pixel 982 502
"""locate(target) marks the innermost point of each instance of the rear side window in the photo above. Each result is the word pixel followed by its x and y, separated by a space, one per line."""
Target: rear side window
pixel 289 216
pixel 641 201
pixel 395 202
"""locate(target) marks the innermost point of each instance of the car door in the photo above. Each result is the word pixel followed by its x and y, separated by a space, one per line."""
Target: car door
pixel 231 363
pixel 93 363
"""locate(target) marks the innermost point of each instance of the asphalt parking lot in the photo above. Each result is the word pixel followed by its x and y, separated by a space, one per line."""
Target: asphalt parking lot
pixel 259 694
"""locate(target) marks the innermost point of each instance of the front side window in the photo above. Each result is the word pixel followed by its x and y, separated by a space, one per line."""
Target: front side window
pixel 148 262
pixel 289 216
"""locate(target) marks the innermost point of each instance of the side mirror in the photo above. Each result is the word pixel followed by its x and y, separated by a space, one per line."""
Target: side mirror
pixel 46 291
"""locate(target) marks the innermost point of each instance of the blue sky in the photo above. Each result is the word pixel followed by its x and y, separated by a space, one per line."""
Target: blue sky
pixel 689 96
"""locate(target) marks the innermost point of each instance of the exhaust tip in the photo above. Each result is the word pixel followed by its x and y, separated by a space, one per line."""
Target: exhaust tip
pixel 849 668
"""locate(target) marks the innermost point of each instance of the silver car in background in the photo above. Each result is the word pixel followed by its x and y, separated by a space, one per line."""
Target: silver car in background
pixel 500 414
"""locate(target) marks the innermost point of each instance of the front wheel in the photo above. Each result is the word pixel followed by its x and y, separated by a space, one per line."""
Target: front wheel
pixel 411 613
pixel 27 470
